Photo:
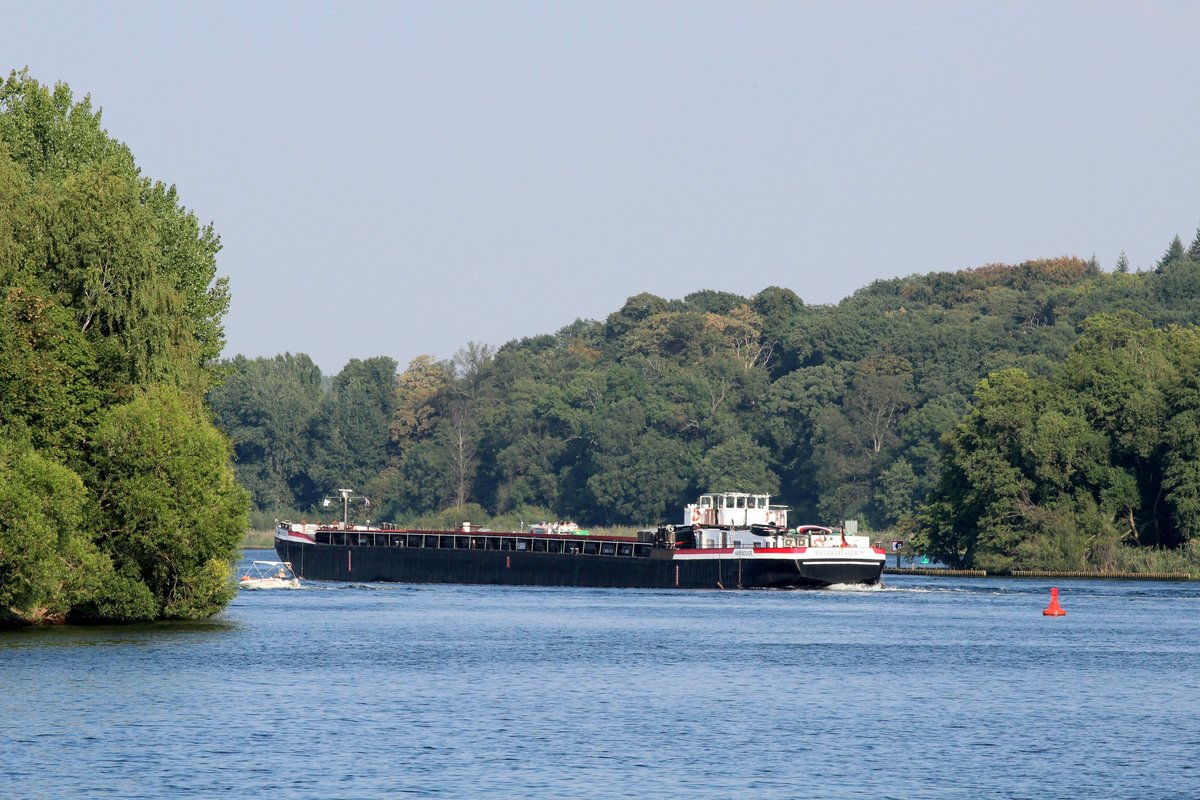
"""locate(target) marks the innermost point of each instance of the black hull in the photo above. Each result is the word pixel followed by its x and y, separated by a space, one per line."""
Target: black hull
pixel 521 568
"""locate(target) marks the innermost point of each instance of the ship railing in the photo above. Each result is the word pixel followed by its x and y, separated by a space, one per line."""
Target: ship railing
pixel 482 541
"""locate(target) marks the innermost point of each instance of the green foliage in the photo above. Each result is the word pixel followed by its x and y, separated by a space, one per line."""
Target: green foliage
pixel 49 133
pixel 898 492
pixel 1056 474
pixel 738 465
pixel 46 369
pixel 170 511
pixel 647 479
pixel 134 267
pixel 847 411
pixel 266 406
pixel 1175 252
pixel 1193 252
pixel 1157 560
pixel 349 433
pixel 636 310
pixel 110 308
pixel 47 563
pixel 1177 285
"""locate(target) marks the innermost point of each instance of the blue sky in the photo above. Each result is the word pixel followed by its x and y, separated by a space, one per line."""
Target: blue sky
pixel 404 178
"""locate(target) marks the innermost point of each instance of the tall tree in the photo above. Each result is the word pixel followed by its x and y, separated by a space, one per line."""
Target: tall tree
pixel 136 268
pixel 1122 263
pixel 737 465
pixel 109 320
pixel 415 479
pixel 973 517
pixel 266 406
pixel 461 436
pixel 350 431
pixel 1175 252
pixel 1181 445
pixel 1193 252
pixel 898 492
pixel 880 390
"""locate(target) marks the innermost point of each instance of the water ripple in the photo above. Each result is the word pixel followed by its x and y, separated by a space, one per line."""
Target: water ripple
pixel 925 688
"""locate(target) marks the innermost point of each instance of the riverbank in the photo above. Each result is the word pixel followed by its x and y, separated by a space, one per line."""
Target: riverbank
pixel 258 540
pixel 265 540
pixel 1040 573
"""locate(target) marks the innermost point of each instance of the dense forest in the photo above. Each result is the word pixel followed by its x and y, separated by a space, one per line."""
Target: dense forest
pixel 1045 414
pixel 117 498
pixel 1011 415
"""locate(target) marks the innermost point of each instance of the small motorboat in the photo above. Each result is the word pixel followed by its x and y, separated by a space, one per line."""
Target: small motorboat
pixel 269 575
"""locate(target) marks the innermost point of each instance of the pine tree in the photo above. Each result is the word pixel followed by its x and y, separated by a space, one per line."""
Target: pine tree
pixel 1174 253
pixel 1194 251
pixel 1122 263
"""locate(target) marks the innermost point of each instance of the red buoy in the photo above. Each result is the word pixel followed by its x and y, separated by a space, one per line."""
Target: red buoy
pixel 1054 609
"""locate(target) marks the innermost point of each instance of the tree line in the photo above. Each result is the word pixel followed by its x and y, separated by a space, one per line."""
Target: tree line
pixel 117 498
pixel 1011 415
pixel 848 411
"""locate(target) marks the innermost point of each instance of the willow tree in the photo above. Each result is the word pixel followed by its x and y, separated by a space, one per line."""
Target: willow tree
pixel 135 267
pixel 109 323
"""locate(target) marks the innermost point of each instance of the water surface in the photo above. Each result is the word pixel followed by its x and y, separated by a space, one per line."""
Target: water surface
pixel 928 688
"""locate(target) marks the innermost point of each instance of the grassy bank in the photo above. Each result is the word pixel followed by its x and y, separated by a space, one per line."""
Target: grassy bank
pixel 258 540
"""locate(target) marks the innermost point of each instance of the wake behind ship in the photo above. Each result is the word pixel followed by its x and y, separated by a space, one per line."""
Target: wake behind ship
pixel 728 540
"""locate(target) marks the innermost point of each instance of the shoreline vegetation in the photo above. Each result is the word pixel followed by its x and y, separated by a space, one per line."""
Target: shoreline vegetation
pixel 118 497
pixel 258 540
pixel 1120 562
pixel 1138 564
pixel 1038 416
pixel 946 572
pixel 264 540
pixel 1043 416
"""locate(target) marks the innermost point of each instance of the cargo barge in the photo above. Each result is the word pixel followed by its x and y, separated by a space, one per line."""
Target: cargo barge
pixel 727 540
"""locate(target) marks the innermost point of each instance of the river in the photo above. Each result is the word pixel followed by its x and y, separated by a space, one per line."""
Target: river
pixel 925 688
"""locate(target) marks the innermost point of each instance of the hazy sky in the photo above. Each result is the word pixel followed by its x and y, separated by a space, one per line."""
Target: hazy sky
pixel 402 178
